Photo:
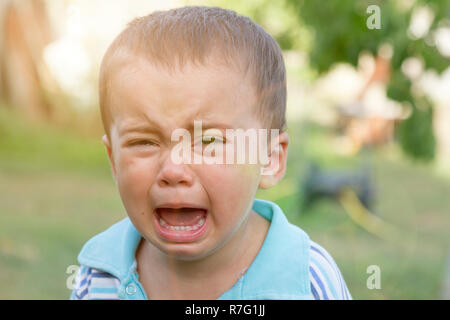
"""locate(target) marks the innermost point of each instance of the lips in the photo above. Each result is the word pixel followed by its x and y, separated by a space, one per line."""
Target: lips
pixel 180 223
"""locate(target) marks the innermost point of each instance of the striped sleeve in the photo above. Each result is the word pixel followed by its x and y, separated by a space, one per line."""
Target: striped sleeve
pixel 93 284
pixel 326 279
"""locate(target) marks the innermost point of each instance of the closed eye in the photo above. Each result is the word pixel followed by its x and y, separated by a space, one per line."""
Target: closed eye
pixel 212 139
pixel 141 143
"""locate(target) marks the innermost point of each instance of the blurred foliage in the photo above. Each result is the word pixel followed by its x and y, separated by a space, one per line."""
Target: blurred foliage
pixel 289 31
pixel 340 34
pixel 336 31
pixel 416 132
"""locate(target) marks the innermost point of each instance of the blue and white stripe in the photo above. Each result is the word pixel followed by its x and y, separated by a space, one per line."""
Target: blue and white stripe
pixel 326 280
pixel 92 284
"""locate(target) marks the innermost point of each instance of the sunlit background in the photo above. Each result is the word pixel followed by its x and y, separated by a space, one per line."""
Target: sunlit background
pixel 368 115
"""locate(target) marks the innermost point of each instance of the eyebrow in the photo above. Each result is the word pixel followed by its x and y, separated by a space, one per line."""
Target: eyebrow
pixel 149 126
pixel 208 125
pixel 138 128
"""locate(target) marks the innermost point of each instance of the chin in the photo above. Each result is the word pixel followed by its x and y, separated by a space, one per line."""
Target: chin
pixel 185 252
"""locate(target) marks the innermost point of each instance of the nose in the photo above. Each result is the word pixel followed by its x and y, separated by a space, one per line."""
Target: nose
pixel 172 174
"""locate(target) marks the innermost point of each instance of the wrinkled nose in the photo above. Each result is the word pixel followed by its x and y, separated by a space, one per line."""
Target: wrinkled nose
pixel 173 174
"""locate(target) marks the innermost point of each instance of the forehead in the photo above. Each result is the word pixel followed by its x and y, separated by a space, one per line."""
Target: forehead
pixel 142 93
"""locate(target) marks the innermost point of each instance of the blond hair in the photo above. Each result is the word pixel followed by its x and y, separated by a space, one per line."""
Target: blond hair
pixel 192 34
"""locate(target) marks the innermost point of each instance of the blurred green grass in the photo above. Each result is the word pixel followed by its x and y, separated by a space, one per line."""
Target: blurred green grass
pixel 56 192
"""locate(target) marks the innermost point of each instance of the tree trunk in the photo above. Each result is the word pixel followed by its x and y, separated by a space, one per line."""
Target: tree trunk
pixel 24 32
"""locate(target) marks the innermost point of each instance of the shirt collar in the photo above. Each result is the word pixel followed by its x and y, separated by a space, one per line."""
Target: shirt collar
pixel 279 271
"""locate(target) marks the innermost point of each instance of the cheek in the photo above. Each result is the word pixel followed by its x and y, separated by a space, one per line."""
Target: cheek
pixel 231 188
pixel 134 178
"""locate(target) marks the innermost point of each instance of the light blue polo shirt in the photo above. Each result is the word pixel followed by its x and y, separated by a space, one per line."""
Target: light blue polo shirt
pixel 279 271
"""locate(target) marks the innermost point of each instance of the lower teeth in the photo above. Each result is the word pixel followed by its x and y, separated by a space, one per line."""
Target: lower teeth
pixel 182 228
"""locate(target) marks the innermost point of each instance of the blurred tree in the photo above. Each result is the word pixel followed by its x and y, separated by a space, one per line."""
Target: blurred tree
pixel 25 31
pixel 273 16
pixel 340 32
pixel 337 31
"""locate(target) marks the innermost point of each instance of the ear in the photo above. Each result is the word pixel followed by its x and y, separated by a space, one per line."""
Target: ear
pixel 108 146
pixel 274 171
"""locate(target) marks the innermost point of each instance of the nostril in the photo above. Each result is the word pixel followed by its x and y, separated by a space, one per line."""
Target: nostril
pixel 163 183
pixel 173 175
pixel 173 181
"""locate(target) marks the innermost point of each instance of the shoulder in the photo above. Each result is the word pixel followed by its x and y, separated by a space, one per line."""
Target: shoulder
pixel 326 279
pixel 107 240
pixel 93 284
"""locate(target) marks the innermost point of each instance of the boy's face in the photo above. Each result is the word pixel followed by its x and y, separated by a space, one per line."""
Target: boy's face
pixel 148 103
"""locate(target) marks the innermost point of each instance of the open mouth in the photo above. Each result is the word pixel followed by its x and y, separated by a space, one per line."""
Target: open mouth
pixel 181 224
pixel 181 219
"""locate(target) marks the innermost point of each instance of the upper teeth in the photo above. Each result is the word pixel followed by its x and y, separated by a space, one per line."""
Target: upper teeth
pixel 182 228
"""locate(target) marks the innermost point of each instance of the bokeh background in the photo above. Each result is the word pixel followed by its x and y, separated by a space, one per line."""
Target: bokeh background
pixel 368 115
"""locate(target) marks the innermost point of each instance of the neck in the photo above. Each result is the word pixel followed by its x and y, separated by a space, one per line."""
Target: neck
pixel 206 278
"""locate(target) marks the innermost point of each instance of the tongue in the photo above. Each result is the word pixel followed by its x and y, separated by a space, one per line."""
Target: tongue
pixel 182 216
